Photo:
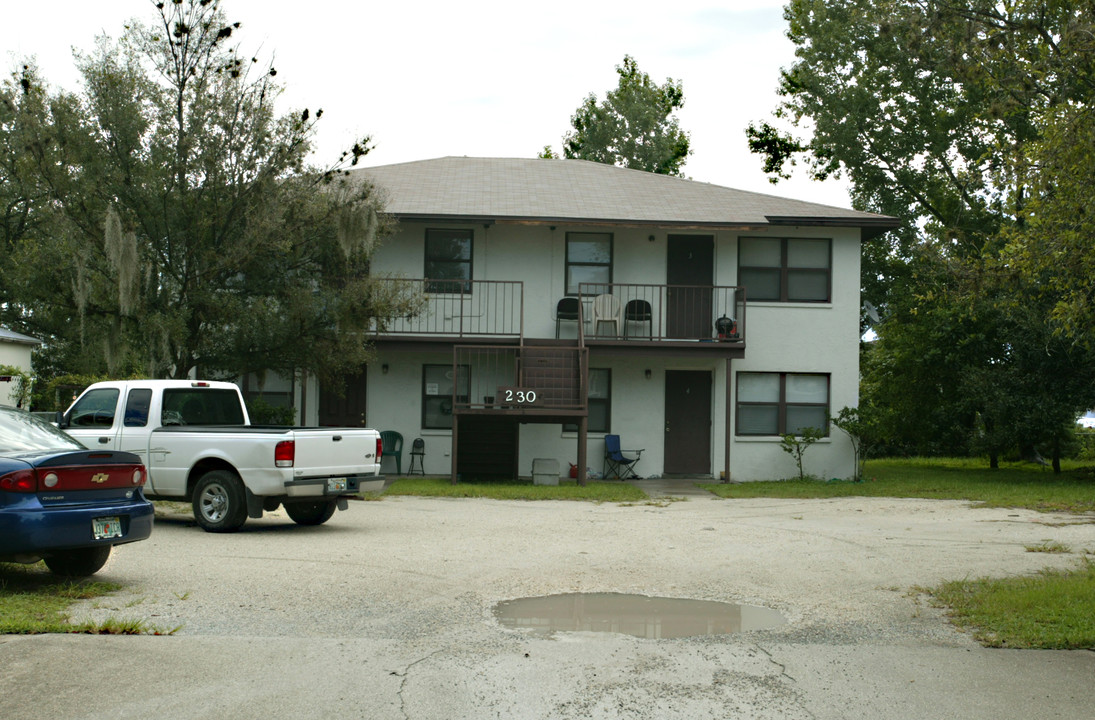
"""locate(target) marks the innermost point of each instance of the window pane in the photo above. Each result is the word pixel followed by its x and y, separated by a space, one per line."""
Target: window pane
pixel 598 416
pixel 760 284
pixel 801 417
pixel 759 252
pixel 589 248
pixel 586 274
pixel 758 387
pixel 438 412
pixel 807 285
pixel 95 409
pixel 807 253
pixel 438 383
pixel 448 245
pixel 136 407
pixel 598 383
pixel 448 258
pixel 758 420
pixel 807 389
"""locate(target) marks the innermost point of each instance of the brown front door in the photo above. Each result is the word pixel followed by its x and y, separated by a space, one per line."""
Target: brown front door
pixel 690 262
pixel 687 422
pixel 346 409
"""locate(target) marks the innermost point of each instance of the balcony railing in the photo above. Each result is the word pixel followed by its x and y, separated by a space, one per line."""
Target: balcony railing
pixel 602 312
pixel 631 311
pixel 534 379
pixel 455 308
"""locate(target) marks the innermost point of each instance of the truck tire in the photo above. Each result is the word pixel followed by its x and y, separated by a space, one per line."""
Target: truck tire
pixel 311 513
pixel 220 503
pixel 80 562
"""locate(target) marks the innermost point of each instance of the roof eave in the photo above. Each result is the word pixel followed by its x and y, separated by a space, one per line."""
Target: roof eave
pixel 871 226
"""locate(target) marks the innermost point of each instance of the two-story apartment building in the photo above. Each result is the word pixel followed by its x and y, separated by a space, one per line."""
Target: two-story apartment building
pixel 566 300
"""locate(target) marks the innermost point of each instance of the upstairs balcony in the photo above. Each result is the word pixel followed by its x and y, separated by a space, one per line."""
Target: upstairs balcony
pixel 616 317
pixel 453 310
pixel 621 314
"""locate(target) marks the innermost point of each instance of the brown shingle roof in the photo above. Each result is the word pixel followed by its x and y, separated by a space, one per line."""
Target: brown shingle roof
pixel 579 191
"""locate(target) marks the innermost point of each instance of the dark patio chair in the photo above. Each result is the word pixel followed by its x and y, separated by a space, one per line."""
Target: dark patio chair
pixel 418 450
pixel 566 309
pixel 619 465
pixel 638 311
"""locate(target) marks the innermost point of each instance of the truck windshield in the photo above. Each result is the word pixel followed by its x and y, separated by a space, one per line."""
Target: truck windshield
pixel 201 406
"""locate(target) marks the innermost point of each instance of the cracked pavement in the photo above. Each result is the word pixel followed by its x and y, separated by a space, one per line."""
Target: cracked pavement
pixel 386 612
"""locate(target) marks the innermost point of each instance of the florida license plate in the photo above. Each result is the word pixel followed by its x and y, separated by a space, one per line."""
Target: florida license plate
pixel 108 527
pixel 336 484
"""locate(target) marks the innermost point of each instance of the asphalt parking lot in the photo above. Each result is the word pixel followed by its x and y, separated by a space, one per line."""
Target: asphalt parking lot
pixel 387 612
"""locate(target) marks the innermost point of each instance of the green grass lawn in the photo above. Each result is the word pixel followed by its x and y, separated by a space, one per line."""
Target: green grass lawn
pixel 1051 610
pixel 34 601
pixel 1012 485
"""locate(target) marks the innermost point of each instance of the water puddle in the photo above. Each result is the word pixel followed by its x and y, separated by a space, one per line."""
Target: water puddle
pixel 638 615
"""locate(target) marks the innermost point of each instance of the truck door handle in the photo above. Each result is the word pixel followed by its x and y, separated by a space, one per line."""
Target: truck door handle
pixel 104 441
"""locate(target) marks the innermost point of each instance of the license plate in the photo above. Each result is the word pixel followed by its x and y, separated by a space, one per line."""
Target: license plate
pixel 108 527
pixel 336 484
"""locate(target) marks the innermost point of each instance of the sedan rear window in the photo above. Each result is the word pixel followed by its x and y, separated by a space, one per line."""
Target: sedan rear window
pixel 22 432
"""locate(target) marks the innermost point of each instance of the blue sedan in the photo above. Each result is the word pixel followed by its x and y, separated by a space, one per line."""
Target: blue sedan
pixel 63 503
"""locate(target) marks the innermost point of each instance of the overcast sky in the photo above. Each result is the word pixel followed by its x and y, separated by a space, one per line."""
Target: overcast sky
pixel 479 78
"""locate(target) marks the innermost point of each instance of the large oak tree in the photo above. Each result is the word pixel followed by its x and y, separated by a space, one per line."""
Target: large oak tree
pixel 165 218
pixel 966 119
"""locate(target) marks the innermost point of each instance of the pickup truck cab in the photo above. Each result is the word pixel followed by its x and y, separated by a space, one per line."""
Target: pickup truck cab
pixel 199 446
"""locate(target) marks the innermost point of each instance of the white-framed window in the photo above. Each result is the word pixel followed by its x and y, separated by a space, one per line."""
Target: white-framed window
pixel 773 403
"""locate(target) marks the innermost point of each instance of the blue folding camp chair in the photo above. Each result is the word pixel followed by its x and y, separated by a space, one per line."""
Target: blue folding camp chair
pixel 619 465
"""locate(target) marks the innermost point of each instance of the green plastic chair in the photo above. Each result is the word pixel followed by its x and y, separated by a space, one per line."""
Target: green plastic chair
pixel 392 445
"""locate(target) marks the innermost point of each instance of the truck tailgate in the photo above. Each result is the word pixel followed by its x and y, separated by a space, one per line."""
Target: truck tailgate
pixel 325 452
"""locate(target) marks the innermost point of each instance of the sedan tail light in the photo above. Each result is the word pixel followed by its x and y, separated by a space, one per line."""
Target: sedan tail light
pixel 285 453
pixel 23 481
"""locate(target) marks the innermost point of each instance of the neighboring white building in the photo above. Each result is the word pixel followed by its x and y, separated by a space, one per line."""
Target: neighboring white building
pixel 15 351
pixel 652 263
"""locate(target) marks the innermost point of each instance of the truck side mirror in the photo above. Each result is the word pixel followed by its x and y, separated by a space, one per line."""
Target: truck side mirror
pixel 59 419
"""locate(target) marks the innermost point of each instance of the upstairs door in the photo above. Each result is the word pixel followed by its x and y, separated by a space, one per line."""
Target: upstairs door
pixel 690 262
pixel 687 422
pixel 345 409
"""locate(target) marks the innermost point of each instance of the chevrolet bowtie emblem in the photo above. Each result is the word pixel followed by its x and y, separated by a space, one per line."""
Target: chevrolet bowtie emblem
pixel 100 478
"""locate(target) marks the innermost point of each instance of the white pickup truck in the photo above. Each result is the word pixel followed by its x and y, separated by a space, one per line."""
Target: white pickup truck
pixel 198 444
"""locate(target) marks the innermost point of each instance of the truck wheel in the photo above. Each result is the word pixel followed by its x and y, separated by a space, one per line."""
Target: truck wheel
pixel 311 513
pixel 220 503
pixel 80 562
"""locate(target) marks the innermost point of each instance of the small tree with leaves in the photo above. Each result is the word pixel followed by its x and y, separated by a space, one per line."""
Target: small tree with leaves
pixel 797 445
pixel 862 430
